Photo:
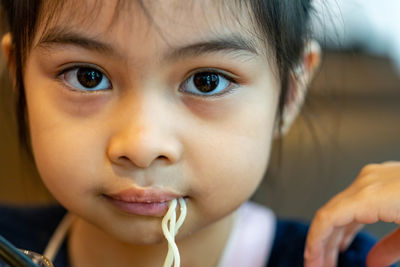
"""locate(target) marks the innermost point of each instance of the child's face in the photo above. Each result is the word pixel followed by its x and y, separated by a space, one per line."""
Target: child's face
pixel 147 122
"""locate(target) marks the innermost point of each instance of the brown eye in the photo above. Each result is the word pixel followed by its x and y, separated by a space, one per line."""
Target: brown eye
pixel 89 78
pixel 85 79
pixel 207 83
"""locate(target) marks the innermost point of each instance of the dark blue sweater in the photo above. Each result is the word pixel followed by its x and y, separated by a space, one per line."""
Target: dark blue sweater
pixel 31 228
pixel 290 239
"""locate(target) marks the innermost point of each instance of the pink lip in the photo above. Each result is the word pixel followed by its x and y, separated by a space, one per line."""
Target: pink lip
pixel 148 202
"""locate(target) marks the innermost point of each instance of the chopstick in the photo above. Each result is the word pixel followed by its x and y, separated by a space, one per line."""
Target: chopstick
pixel 13 256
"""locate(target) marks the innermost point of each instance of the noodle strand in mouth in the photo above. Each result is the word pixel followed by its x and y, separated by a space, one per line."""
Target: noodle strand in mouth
pixel 170 227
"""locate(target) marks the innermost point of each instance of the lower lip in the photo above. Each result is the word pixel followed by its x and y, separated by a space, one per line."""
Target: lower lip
pixel 157 209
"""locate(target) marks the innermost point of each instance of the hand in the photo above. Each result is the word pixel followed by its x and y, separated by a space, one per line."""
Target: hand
pixel 374 196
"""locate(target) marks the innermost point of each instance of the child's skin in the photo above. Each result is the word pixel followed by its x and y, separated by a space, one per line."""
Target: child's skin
pixel 147 130
pixel 373 197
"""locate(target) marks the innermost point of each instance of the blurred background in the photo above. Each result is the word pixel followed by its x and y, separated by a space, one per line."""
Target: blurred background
pixel 351 118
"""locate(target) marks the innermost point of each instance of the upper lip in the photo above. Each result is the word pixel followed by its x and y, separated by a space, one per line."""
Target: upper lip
pixel 144 195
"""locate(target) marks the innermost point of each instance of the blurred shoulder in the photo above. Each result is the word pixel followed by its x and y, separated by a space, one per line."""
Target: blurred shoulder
pixel 289 244
pixel 29 227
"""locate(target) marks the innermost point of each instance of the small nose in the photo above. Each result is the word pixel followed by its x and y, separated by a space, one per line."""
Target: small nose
pixel 143 139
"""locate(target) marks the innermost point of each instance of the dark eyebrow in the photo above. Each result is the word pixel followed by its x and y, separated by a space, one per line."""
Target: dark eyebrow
pixel 231 43
pixel 56 36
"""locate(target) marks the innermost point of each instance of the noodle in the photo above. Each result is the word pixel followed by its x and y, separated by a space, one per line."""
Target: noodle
pixel 170 227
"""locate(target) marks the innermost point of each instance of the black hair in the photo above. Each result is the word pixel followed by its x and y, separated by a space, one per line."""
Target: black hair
pixel 282 24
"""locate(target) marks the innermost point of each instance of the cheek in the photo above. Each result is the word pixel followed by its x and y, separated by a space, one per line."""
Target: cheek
pixel 230 162
pixel 67 152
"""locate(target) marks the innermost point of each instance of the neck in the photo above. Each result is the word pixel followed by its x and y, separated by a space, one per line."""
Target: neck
pixel 90 246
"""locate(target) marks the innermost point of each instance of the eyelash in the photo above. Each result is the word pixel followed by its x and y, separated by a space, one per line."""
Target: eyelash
pixel 59 78
pixel 233 82
pixel 232 86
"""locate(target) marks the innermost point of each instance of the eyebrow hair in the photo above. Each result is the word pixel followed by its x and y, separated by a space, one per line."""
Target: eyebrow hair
pixel 230 43
pixel 57 36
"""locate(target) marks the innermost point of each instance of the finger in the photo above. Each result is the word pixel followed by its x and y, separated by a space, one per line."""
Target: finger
pixel 332 248
pixel 327 256
pixel 324 223
pixel 315 258
pixel 386 251
pixel 391 163
pixel 315 251
pixel 349 234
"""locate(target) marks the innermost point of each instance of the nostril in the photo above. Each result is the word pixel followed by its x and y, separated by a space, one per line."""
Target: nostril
pixel 164 159
pixel 123 158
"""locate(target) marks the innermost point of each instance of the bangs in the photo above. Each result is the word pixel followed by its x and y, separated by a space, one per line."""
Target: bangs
pixel 74 13
pixel 77 13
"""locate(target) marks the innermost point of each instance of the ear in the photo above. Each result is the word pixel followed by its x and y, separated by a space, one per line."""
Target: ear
pixel 6 44
pixel 299 80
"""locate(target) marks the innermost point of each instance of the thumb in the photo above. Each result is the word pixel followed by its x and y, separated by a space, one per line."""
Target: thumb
pixel 386 251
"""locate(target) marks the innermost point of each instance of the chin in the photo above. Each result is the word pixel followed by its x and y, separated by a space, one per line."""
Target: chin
pixel 139 233
pixel 149 239
pixel 146 238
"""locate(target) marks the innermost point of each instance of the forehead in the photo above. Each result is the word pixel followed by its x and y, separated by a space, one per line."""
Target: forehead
pixel 161 21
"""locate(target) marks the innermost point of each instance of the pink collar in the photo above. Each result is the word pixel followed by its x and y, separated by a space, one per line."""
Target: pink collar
pixel 251 239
